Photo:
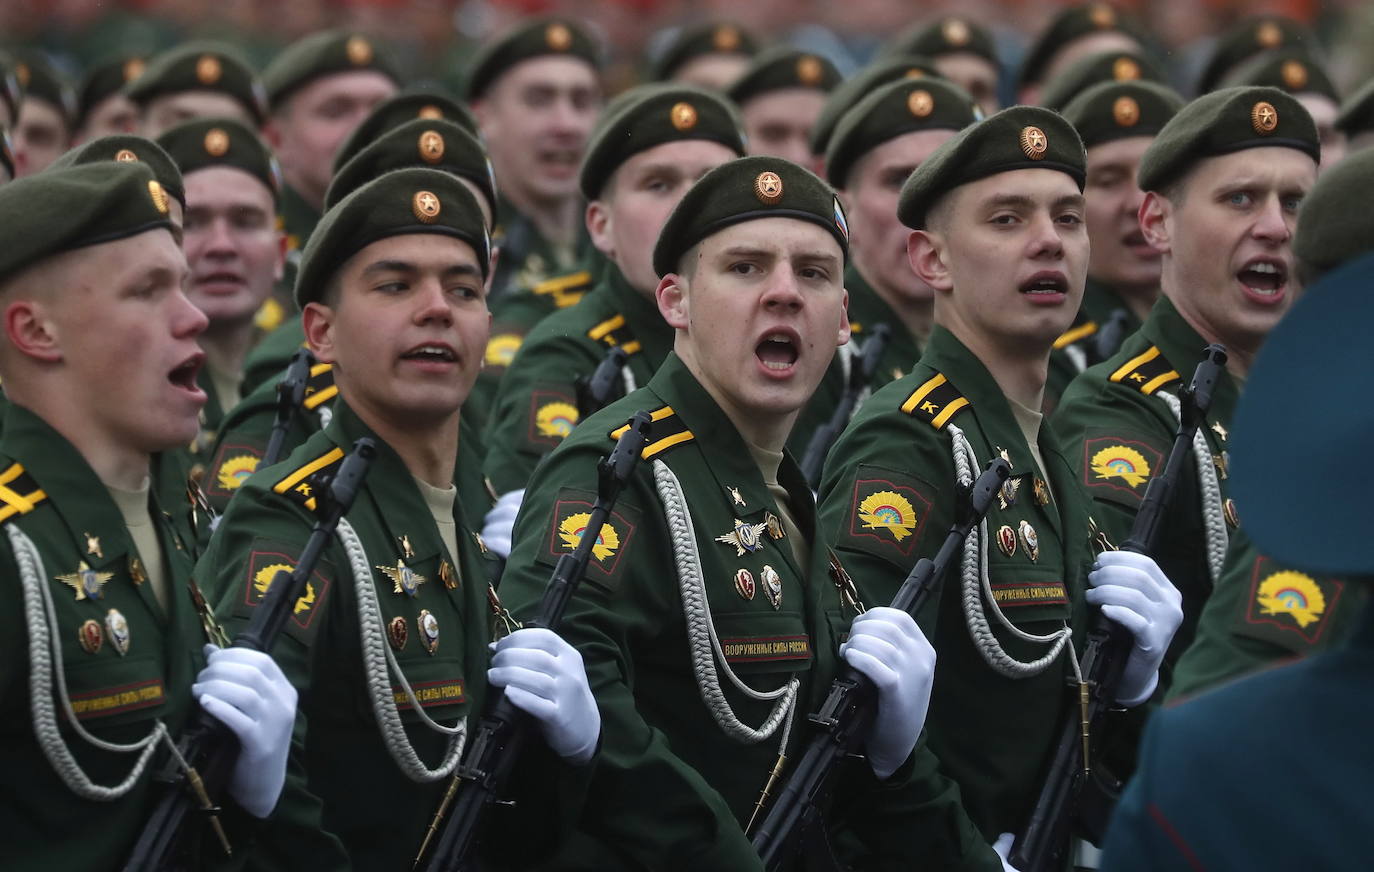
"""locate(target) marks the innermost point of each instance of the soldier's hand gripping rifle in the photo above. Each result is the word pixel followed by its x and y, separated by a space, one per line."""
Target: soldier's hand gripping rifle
pixel 860 375
pixel 596 391
pixel 845 719
pixel 208 747
pixel 1073 791
pixel 290 395
pixel 495 746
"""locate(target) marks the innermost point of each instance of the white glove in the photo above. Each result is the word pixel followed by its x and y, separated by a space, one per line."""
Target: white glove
pixel 886 645
pixel 500 521
pixel 1133 591
pixel 246 691
pixel 543 676
pixel 1003 848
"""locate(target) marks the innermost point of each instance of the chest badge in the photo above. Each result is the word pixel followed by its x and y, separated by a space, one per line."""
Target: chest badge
pixel 735 497
pixel 404 579
pixel 1029 540
pixel 398 632
pixel 1006 540
pixel 774 524
pixel 429 630
pixel 1042 492
pixel 136 571
pixel 91 636
pixel 744 584
pixel 772 585
pixel 448 575
pixel 86 582
pixel 93 546
pixel 406 551
pixel 746 537
pixel 117 628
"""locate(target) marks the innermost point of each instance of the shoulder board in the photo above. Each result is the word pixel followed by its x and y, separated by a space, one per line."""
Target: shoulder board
pixel 613 332
pixel 666 430
pixel 565 289
pixel 320 387
pixel 19 493
pixel 935 402
pixel 299 485
pixel 1146 372
pixel 1076 333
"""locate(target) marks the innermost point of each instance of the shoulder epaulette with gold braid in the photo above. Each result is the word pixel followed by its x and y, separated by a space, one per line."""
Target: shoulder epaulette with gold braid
pixel 299 485
pixel 320 387
pixel 1076 333
pixel 1146 372
pixel 565 289
pixel 19 493
pixel 935 402
pixel 666 430
pixel 614 331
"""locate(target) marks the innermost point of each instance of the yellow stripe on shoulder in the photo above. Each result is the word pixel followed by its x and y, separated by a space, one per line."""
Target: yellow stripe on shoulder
pixel 666 430
pixel 565 290
pixel 615 331
pixel 298 485
pixel 1075 334
pixel 935 402
pixel 1147 372
pixel 320 388
pixel 19 492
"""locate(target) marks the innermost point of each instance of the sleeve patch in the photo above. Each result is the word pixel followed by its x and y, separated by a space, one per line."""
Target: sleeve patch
pixel 501 348
pixel 887 512
pixel 231 467
pixel 571 511
pixel 1117 468
pixel 553 415
pixel 264 562
pixel 1289 608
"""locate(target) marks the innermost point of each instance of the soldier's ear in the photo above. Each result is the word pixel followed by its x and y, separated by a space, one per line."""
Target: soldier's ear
pixel 925 251
pixel 672 300
pixel 1154 215
pixel 317 321
pixel 599 227
pixel 29 329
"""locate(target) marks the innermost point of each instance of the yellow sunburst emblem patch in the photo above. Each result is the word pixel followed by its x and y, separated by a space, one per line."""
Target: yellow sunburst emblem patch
pixel 262 580
pixel 556 419
pixel 1118 461
pixel 890 511
pixel 1293 594
pixel 501 349
pixel 571 532
pixel 235 471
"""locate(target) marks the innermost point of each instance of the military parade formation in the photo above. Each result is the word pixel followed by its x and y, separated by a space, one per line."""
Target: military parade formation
pixel 758 464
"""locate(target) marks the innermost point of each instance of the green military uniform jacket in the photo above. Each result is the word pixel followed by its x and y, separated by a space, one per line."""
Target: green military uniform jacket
pixel 866 311
pixel 1104 321
pixel 889 497
pixel 345 798
pixel 671 790
pixel 127 662
pixel 1119 434
pixel 270 357
pixel 527 258
pixel 536 406
pixel 298 220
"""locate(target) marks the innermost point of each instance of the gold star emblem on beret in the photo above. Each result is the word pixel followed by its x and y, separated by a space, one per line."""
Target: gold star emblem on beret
pixel 1034 142
pixel 768 187
pixel 208 69
pixel 914 73
pixel 683 116
pixel 430 112
pixel 1268 34
pixel 1125 70
pixel 133 68
pixel 359 51
pixel 431 146
pixel 809 70
pixel 725 38
pixel 1294 74
pixel 1125 111
pixel 126 155
pixel 1264 118
pixel 1102 16
pixel 216 142
pixel 920 103
pixel 558 37
pixel 426 206
pixel 158 195
pixel 955 32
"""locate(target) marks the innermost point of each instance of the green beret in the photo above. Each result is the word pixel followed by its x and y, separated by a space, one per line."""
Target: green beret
pixel 1357 112
pixel 1335 223
pixel 1224 121
pixel 127 148
pixel 394 111
pixel 10 91
pixel 214 142
pixel 420 142
pixel 412 200
pixel 1117 110
pixel 746 189
pixel 56 211
pixel 537 38
pixel 1248 38
pixel 780 68
pixel 6 151
pixel 201 66
pixel 1107 66
pixel 651 115
pixel 322 54
pixel 106 80
pixel 1069 25
pixel 950 34
pixel 39 78
pixel 853 89
pixel 904 106
pixel 712 37
pixel 1019 138
pixel 1288 69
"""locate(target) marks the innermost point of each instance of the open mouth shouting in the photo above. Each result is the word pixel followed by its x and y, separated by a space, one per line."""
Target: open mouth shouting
pixel 432 356
pixel 1264 280
pixel 183 377
pixel 1046 288
pixel 778 351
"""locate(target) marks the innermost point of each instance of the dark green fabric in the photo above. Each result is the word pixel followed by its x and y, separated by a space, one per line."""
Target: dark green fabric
pixel 652 115
pixel 433 143
pixel 1107 66
pixel 392 112
pixel 948 35
pixel 10 90
pixel 211 142
pixel 998 144
pixel 707 38
pixel 1335 223
pixel 854 88
pixel 866 311
pixel 533 38
pixel 1357 112
pixel 322 54
pixel 52 212
pixel 299 220
pixel 268 359
pixel 528 259
pixel 670 790
pixel 1247 38
pixel 1116 110
pixel 891 110
pixel 38 77
pixel 1104 322
pixel 6 153
pixel 105 80
pixel 1223 122
pixel 1069 25
pixel 201 65
pixel 1289 69
pixel 744 190
pixel 126 148
pixel 779 68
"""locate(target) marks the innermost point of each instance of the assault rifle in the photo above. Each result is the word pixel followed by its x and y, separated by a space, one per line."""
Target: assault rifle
pixel 290 395
pixel 596 391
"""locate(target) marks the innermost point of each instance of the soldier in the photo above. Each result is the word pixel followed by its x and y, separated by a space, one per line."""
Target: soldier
pixel 1249 37
pixel 999 235
pixel 961 50
pixel 1074 33
pixel 1117 122
pixel 1265 609
pixel 43 126
pixel 196 80
pixel 1107 66
pixel 1292 70
pixel 752 261
pixel 710 55
pixel 876 147
pixel 1223 182
pixel 103 633
pixel 653 143
pixel 102 107
pixel 1356 119
pixel 392 286
pixel 780 97
pixel 126 148
pixel 888 68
